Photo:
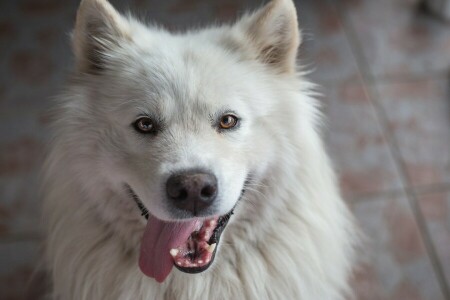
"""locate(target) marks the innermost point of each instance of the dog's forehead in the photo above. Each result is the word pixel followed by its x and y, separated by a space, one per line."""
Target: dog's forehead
pixel 189 78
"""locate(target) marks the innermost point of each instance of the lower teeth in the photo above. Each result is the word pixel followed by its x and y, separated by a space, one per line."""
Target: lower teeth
pixel 211 248
pixel 187 261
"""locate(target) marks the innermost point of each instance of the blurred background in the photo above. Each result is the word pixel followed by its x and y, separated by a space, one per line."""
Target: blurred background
pixel 384 71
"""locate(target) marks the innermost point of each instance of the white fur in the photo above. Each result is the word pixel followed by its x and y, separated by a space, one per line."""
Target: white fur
pixel 291 237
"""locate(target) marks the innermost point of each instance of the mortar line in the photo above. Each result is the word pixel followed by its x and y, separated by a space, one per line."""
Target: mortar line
pixel 419 190
pixel 20 237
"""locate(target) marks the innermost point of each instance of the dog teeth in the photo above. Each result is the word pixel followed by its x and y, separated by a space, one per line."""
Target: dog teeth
pixel 211 248
pixel 174 252
pixel 200 261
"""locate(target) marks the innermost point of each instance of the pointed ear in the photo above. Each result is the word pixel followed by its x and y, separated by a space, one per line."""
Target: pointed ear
pixel 273 34
pixel 99 28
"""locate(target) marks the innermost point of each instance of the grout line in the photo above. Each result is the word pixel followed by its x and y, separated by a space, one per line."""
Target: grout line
pixel 420 190
pixel 387 79
pixel 373 195
pixel 431 189
pixel 20 237
pixel 370 83
pixel 409 78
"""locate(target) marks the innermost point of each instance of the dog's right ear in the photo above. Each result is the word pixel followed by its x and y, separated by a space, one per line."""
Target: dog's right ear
pixel 99 28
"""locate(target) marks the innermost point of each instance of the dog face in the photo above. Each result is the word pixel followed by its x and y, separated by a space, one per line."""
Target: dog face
pixel 183 120
pixel 183 115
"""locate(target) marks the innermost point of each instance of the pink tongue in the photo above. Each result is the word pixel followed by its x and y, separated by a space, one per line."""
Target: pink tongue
pixel 159 237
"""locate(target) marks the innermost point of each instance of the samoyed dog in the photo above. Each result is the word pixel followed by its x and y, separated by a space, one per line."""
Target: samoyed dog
pixel 191 166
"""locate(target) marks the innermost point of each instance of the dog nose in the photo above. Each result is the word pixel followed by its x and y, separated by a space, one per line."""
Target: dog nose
pixel 192 191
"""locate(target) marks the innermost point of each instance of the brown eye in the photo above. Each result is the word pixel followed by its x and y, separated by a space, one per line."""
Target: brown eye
pixel 144 125
pixel 228 121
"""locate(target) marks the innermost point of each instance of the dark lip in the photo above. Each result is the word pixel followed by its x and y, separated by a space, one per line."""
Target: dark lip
pixel 141 206
pixel 215 237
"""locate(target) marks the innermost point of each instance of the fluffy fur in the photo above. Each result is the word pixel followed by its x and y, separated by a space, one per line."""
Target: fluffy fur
pixel 291 236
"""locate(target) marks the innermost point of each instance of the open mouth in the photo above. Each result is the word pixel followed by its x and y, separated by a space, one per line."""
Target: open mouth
pixel 198 252
pixel 190 245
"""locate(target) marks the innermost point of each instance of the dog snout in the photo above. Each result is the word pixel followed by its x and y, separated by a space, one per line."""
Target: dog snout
pixel 192 191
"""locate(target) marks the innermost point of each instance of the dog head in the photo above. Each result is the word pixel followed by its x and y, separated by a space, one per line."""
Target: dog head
pixel 183 120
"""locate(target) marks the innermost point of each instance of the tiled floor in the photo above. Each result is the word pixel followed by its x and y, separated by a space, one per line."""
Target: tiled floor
pixel 384 67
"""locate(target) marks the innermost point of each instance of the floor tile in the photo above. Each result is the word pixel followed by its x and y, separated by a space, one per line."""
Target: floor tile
pixel 325 49
pixel 418 115
pixel 436 210
pixel 18 272
pixel 396 265
pixel 35 56
pixel 356 142
pixel 23 138
pixel 399 38
pixel 19 205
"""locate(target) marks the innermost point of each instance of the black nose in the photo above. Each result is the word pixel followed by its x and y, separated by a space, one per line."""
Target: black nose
pixel 192 191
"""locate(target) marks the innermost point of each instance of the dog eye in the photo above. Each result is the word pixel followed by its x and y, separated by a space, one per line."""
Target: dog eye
pixel 145 125
pixel 228 121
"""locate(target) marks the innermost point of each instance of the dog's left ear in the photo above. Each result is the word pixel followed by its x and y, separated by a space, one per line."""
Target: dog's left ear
pixel 273 34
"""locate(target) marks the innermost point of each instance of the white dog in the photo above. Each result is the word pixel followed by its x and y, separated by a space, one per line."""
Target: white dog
pixel 199 151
